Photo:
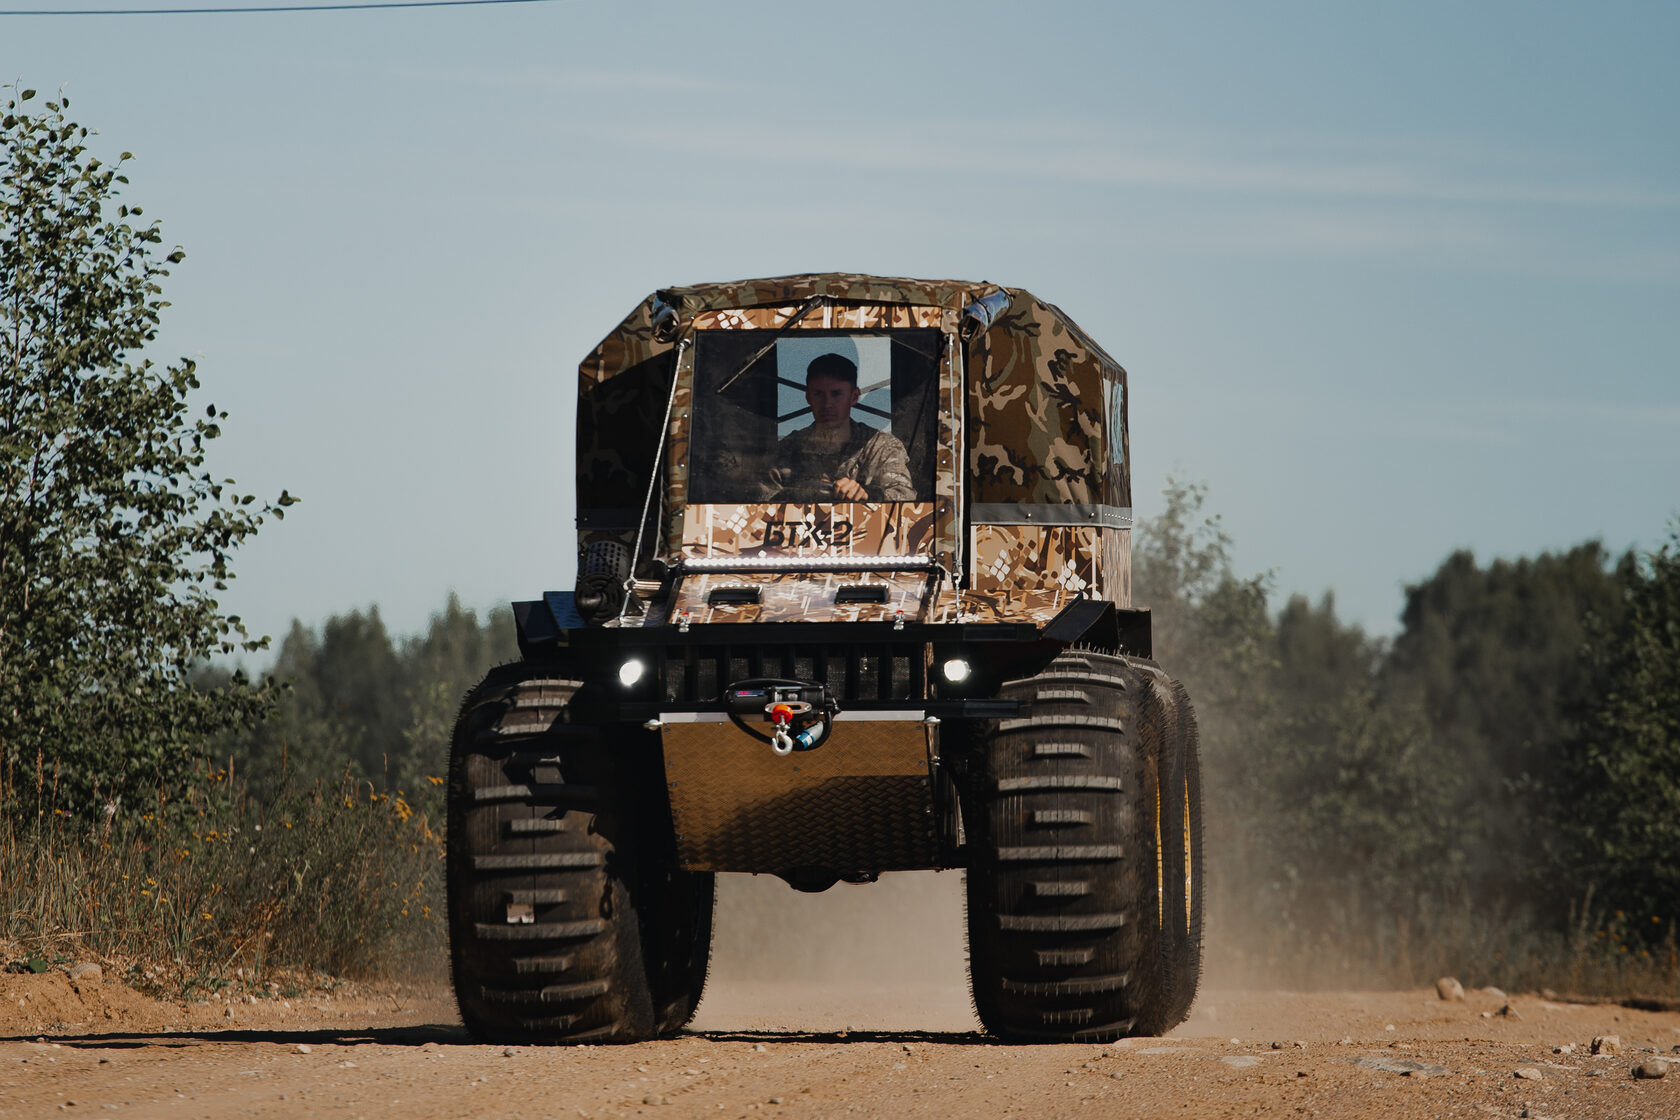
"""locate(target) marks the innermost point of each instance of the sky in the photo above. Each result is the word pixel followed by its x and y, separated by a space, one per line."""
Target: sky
pixel 1389 279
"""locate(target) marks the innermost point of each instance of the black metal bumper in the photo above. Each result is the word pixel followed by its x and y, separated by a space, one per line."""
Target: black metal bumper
pixel 865 665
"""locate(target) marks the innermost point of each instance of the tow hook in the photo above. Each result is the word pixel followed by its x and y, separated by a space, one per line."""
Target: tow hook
pixel 781 715
pixel 801 713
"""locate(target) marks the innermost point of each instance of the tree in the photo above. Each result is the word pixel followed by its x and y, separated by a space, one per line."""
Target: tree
pixel 1325 818
pixel 1493 657
pixel 1209 625
pixel 357 700
pixel 1624 803
pixel 114 537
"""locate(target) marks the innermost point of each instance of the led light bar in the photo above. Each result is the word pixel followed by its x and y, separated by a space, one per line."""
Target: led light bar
pixel 809 564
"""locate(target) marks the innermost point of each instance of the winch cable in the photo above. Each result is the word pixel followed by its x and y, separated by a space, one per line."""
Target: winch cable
pixel 823 714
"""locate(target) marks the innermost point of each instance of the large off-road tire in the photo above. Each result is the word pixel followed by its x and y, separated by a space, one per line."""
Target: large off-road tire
pixel 1066 871
pixel 568 919
pixel 1181 837
pixel 677 940
pixel 1166 704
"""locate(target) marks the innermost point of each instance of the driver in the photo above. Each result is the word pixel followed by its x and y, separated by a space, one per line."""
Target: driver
pixel 837 457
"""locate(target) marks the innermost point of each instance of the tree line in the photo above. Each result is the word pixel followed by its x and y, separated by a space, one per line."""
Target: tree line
pixel 1508 763
pixel 354 698
pixel 1510 758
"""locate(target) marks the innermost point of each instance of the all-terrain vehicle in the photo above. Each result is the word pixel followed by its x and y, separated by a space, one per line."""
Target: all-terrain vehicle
pixel 853 596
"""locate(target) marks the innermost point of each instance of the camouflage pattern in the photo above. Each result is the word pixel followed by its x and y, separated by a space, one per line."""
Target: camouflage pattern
pixel 1079 559
pixel 876 316
pixel 1038 607
pixel 861 802
pixel 838 286
pixel 1025 557
pixel 803 597
pixel 815 529
pixel 1038 399
pixel 872 456
pixel 946 475
pixel 1041 421
pixel 828 317
pixel 1116 566
pixel 615 423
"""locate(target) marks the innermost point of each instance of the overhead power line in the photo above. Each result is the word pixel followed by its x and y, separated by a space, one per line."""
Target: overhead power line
pixel 261 8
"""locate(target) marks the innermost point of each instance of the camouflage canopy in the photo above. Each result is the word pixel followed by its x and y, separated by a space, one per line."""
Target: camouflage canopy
pixel 1044 406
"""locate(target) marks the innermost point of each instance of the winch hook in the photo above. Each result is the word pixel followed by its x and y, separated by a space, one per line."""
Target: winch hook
pixel 782 716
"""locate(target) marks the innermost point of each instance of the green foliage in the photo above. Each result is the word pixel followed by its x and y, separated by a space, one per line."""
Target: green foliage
pixel 312 847
pixel 1209 626
pixel 1379 814
pixel 114 538
pixel 1493 657
pixel 1624 780
pixel 381 707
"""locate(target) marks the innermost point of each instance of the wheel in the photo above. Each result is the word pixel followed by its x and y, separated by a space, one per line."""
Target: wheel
pixel 677 941
pixel 1185 873
pixel 1181 839
pixel 1065 875
pixel 568 919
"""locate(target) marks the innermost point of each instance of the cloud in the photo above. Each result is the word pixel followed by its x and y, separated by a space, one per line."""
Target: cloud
pixel 1356 230
pixel 1333 178
pixel 1355 168
pixel 586 79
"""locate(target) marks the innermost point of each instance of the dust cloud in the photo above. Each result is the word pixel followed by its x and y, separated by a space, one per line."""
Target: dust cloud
pixel 889 955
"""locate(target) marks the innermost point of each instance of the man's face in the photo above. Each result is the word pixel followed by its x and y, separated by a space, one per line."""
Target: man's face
pixel 831 400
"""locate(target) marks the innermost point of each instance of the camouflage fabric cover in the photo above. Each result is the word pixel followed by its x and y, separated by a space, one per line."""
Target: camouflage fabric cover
pixel 830 317
pixel 818 529
pixel 802 597
pixel 1037 606
pixel 1041 422
pixel 676 510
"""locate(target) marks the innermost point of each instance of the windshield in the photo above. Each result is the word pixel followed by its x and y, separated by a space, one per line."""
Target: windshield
pixel 823 416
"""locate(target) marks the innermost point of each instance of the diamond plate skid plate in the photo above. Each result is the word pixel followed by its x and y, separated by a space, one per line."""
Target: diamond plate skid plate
pixel 861 802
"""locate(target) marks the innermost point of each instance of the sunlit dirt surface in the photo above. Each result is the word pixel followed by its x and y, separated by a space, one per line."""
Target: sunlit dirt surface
pixel 889 1035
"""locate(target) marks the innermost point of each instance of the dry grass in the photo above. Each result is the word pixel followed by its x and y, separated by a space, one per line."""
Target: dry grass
pixel 331 879
pixel 328 877
pixel 1588 953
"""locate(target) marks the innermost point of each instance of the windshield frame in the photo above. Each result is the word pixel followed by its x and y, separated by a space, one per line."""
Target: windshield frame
pixel 924 526
pixel 745 430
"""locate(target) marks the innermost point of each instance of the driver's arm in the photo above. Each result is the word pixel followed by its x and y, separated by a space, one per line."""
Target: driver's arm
pixel 883 469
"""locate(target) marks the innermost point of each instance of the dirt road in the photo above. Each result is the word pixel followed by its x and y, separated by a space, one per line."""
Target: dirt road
pixel 900 1043
pixel 827 1051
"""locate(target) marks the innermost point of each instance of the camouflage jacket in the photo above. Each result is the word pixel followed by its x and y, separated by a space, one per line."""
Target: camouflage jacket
pixel 875 458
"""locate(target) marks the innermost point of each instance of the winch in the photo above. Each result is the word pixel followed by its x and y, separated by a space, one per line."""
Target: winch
pixel 801 713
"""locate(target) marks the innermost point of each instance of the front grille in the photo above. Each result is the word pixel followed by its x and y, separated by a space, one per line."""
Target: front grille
pixel 855 673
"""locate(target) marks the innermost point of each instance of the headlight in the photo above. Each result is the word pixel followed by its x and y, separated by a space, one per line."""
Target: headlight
pixel 955 670
pixel 630 672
